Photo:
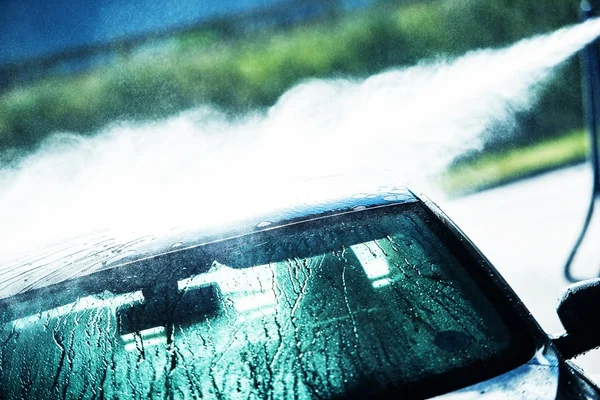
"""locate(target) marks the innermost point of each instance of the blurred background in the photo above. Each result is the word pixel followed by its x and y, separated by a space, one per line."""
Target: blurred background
pixel 79 66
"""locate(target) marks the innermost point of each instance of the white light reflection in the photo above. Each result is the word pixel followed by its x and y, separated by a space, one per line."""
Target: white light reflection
pixel 87 303
pixel 374 262
pixel 249 289
pixel 145 338
pixel 381 283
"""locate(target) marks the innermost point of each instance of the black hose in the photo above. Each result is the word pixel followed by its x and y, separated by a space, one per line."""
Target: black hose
pixel 568 275
pixel 590 59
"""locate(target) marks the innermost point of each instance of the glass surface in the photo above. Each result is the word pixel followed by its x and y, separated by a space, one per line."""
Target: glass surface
pixel 366 302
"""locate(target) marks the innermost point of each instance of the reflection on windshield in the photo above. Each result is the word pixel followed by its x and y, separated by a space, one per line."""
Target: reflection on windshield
pixel 244 289
pixel 339 307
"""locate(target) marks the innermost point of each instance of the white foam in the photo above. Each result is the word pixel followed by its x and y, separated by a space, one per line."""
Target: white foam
pixel 403 124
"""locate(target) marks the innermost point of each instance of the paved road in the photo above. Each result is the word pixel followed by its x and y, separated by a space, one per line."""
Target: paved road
pixel 527 229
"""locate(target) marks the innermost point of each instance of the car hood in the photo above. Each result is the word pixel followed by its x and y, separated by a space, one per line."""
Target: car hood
pixel 537 379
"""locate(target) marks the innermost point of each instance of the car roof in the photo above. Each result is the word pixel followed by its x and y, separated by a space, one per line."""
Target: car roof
pixel 78 258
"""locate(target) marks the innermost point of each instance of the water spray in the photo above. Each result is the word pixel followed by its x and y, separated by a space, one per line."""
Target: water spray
pixel 202 166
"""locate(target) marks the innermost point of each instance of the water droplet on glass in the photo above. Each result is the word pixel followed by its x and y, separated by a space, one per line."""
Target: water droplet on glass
pixel 394 197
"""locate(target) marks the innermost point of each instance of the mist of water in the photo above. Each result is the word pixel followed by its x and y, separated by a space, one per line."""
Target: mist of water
pixel 202 166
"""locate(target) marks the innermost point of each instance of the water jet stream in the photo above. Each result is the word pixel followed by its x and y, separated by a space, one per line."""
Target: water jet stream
pixel 201 166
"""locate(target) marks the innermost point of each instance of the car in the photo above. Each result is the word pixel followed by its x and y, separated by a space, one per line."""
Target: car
pixel 374 294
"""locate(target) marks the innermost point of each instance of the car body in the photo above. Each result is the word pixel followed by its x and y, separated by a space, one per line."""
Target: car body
pixel 374 294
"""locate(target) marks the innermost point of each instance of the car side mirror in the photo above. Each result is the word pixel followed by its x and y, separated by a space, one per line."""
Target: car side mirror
pixel 579 311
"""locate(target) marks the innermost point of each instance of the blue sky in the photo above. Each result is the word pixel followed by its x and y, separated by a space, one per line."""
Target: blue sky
pixel 33 28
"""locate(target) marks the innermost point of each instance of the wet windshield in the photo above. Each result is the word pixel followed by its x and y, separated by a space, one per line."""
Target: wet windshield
pixel 365 302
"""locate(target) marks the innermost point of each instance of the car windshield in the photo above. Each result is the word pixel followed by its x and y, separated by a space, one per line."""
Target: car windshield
pixel 368 301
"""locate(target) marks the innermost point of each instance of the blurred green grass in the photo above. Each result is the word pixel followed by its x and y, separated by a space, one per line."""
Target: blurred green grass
pixel 492 169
